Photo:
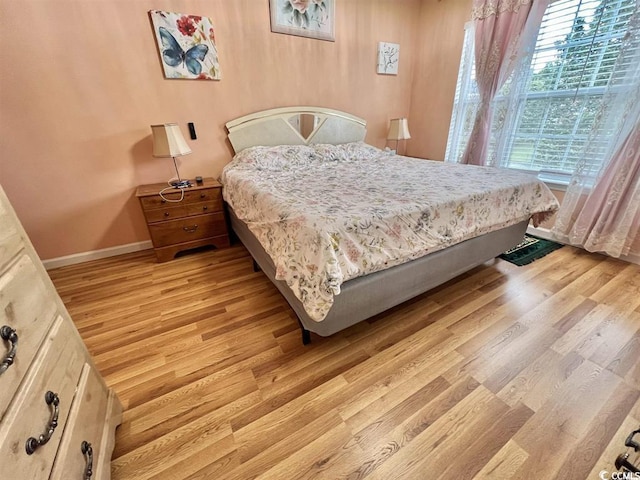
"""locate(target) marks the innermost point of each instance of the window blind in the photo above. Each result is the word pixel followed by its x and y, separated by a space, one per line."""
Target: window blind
pixel 551 120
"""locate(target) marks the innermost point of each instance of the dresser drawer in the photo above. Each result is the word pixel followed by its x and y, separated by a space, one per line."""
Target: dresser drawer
pixel 86 424
pixel 170 213
pixel 10 237
pixel 194 196
pixel 187 229
pixel 27 307
pixel 56 369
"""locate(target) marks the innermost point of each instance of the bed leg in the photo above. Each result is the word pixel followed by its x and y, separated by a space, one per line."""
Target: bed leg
pixel 306 336
pixel 256 267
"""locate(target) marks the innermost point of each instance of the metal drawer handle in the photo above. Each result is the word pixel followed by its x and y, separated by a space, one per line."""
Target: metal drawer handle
pixel 630 443
pixel 87 451
pixel 623 462
pixel 190 229
pixel 33 443
pixel 8 334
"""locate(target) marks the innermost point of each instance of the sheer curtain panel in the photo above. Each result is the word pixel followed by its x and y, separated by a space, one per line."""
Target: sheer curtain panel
pixel 601 209
pixel 505 30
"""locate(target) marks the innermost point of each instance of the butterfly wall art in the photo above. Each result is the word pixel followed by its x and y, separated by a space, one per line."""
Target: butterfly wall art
pixel 186 44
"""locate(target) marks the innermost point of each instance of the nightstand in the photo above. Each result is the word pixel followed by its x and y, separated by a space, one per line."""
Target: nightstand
pixel 195 221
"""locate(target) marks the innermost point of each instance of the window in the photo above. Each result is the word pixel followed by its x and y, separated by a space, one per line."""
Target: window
pixel 544 114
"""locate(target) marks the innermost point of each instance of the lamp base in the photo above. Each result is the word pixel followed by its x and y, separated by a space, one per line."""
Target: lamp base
pixel 181 184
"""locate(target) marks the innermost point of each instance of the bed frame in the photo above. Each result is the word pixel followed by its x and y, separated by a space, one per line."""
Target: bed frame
pixel 366 296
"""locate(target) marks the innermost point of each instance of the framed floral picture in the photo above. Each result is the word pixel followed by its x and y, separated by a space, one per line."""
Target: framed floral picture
pixel 305 18
pixel 388 58
pixel 186 44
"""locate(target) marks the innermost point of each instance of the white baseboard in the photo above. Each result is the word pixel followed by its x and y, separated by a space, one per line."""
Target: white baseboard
pixel 631 258
pixel 542 233
pixel 96 254
pixel 546 234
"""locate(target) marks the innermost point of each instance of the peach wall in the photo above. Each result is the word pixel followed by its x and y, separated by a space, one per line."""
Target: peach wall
pixel 438 51
pixel 81 82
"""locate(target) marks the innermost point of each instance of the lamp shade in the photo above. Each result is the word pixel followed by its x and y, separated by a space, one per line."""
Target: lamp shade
pixel 168 141
pixel 398 129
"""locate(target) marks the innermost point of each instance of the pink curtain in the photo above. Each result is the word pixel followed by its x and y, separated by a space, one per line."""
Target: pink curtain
pixel 608 219
pixel 501 29
pixel 601 211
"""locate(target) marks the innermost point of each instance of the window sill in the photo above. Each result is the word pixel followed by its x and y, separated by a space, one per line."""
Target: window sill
pixel 561 187
pixel 555 181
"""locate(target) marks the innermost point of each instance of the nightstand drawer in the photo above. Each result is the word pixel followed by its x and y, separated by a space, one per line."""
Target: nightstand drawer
pixel 187 229
pixel 196 220
pixel 170 213
pixel 194 196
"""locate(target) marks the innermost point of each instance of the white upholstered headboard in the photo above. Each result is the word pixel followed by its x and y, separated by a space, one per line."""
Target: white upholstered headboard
pixel 295 126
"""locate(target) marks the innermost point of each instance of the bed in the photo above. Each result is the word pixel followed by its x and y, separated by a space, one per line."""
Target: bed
pixel 402 226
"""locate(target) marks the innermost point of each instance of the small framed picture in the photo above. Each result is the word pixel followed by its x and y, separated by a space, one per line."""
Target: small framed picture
pixel 388 58
pixel 305 18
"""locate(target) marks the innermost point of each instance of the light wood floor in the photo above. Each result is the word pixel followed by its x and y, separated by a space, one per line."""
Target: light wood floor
pixel 508 372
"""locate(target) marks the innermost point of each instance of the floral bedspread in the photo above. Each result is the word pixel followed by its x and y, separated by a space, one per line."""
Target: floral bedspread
pixel 329 213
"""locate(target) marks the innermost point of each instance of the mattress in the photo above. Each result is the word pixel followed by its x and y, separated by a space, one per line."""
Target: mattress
pixel 329 213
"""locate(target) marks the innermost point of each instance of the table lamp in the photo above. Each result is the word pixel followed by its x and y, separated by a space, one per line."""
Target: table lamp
pixel 169 142
pixel 398 130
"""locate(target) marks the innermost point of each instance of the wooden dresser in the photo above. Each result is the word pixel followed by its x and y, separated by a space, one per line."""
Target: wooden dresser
pixel 180 221
pixel 57 416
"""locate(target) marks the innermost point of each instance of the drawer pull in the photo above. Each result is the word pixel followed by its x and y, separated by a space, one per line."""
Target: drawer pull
pixel 190 229
pixel 203 195
pixel 623 462
pixel 166 214
pixel 87 451
pixel 33 443
pixel 8 334
pixel 205 208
